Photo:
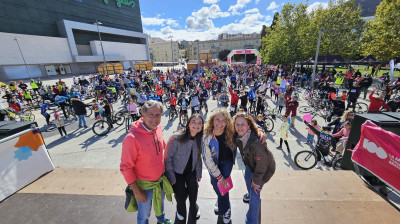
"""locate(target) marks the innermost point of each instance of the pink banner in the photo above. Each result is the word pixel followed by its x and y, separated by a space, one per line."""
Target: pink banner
pixel 378 151
pixel 243 52
pixel 258 60
pixel 229 61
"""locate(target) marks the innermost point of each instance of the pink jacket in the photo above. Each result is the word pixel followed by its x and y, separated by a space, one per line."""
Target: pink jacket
pixel 311 132
pixel 143 154
pixel 343 132
pixel 132 108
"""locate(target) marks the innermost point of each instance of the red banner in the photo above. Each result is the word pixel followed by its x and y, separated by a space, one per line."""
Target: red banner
pixel 379 152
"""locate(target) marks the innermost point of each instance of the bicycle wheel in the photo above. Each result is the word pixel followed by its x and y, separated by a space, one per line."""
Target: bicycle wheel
pixel 171 114
pixel 305 109
pixel 119 118
pixel 101 128
pixel 305 159
pixel 337 165
pixel 89 112
pixel 268 124
pixel 361 108
pixel 183 120
pixel 128 122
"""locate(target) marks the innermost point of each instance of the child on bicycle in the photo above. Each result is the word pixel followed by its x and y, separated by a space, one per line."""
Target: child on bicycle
pixel 325 141
pixel 310 135
pixel 132 109
pixel 107 112
pixel 344 135
pixel 96 109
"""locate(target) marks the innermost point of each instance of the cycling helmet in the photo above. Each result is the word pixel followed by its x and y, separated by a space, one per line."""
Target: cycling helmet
pixel 327 128
pixel 47 101
pixel 57 97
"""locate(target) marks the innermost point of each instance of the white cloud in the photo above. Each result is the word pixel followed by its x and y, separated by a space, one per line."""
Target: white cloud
pixel 158 21
pixel 316 5
pixel 201 19
pixel 210 1
pixel 273 6
pixel 255 10
pixel 257 1
pixel 239 5
pixel 251 22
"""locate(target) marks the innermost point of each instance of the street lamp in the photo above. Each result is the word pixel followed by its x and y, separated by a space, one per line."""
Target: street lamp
pixel 245 55
pixel 316 54
pixel 29 74
pixel 172 52
pixel 97 23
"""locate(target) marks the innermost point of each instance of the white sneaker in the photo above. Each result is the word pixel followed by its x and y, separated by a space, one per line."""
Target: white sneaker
pixel 216 208
pixel 179 216
pixel 227 216
pixel 318 165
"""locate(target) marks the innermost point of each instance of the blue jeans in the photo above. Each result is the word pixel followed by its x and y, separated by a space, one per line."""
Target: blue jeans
pixel 255 201
pixel 223 201
pixel 144 208
pixel 310 138
pixel 82 118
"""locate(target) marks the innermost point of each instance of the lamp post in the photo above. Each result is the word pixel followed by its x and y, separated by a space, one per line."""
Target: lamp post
pixel 97 23
pixel 316 54
pixel 26 66
pixel 245 55
pixel 198 54
pixel 172 52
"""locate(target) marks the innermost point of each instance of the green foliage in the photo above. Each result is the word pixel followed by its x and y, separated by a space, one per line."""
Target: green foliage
pixel 223 54
pixel 294 37
pixel 382 35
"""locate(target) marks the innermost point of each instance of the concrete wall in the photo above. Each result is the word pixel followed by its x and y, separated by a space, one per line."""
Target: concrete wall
pixel 35 49
pixel 136 52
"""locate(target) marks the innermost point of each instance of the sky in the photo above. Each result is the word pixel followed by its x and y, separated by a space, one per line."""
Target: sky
pixel 205 19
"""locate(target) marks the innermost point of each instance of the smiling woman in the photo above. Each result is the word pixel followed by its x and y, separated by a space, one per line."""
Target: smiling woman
pixel 183 167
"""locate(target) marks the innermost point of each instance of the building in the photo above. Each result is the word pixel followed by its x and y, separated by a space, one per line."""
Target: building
pixel 227 36
pixel 155 39
pixel 186 43
pixel 182 53
pixel 162 51
pixel 40 38
pixel 219 45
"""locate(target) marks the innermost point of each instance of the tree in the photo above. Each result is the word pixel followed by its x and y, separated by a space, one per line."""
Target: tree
pixel 274 20
pixel 223 54
pixel 263 31
pixel 382 35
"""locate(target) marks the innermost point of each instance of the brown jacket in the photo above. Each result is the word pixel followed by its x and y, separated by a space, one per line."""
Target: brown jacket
pixel 258 158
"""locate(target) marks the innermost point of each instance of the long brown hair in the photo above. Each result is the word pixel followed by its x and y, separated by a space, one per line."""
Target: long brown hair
pixel 183 135
pixel 250 122
pixel 229 130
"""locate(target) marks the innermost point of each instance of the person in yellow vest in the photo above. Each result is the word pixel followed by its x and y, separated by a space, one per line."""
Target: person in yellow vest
pixel 28 97
pixel 12 86
pixel 339 81
pixel 34 86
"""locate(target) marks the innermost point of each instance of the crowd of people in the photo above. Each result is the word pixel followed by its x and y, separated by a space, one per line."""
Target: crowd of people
pixel 154 168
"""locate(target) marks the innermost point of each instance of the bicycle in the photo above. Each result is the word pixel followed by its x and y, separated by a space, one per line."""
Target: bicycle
pixel 308 159
pixel 128 122
pixel 268 122
pixel 172 113
pixel 183 116
pixel 102 126
pixel 361 107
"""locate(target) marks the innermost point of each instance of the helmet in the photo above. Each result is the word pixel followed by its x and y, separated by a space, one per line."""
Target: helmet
pixel 57 97
pixel 327 128
pixel 47 101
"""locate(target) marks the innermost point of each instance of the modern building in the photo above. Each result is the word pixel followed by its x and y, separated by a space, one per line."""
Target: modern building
pixel 227 36
pixel 219 45
pixel 166 51
pixel 40 38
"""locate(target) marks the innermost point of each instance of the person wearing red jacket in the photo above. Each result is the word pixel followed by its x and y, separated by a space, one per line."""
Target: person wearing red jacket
pixel 234 100
pixel 291 107
pixel 377 102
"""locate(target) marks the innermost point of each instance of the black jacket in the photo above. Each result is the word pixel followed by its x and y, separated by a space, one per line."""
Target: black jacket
pixel 324 140
pixel 79 107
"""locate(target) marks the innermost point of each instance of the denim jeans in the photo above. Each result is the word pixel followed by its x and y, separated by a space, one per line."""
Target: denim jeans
pixel 82 118
pixel 310 138
pixel 144 208
pixel 223 201
pixel 255 201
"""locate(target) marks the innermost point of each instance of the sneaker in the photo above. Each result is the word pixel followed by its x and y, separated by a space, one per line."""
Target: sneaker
pixel 318 165
pixel 179 216
pixel 85 127
pixel 246 198
pixel 307 143
pixel 166 221
pixel 280 148
pixel 198 213
pixel 227 216
pixel 327 168
pixel 216 208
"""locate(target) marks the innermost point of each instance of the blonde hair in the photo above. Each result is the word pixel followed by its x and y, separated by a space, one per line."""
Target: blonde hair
pixel 344 116
pixel 229 129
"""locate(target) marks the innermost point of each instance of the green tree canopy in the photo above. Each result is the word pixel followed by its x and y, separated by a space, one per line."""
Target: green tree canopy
pixel 382 35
